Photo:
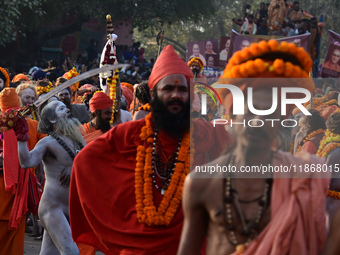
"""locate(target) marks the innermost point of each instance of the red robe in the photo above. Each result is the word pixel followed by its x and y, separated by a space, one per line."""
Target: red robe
pixel 102 194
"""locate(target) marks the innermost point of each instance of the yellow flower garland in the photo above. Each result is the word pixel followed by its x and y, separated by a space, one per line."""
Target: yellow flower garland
pixel 112 83
pixel 308 137
pixel 328 143
pixel 146 210
pixel 41 89
pixel 69 75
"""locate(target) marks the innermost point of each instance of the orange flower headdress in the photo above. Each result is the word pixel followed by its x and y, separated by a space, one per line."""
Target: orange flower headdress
pixel 69 75
pixel 267 59
pixel 4 75
pixel 197 60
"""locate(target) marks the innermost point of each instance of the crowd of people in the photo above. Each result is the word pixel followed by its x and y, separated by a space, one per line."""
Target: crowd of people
pixel 112 173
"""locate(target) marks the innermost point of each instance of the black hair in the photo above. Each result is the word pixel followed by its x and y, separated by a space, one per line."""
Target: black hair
pixel 333 123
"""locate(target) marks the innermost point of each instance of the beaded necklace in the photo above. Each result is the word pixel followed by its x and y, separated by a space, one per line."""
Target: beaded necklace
pixel 249 227
pixel 163 170
pixel 65 146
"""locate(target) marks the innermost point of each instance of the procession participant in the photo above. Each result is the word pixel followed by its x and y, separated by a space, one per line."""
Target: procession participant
pixel 57 152
pixel 13 179
pixel 78 111
pixel 101 114
pixel 142 92
pixel 121 217
pixel 280 215
pixel 312 128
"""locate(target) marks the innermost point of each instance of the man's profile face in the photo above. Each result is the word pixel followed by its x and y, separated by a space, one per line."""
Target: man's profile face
pixel 254 138
pixel 303 126
pixel 196 50
pixel 106 114
pixel 61 110
pixel 209 46
pixel 27 97
pixel 65 96
pixel 173 92
pixel 336 56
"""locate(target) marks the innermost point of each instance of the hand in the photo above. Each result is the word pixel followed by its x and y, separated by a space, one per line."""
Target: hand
pixel 65 177
pixel 21 130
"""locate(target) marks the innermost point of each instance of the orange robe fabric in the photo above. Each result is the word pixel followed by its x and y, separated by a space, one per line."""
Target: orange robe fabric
pixel 298 224
pixel 102 204
pixel 91 135
pixel 13 193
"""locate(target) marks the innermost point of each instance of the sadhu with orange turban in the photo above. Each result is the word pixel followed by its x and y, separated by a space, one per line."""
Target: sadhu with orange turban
pixel 124 156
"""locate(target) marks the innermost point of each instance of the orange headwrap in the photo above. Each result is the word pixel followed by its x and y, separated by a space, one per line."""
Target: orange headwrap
pixel 100 101
pixel 126 84
pixel 169 62
pixel 266 59
pixel 197 60
pixel 128 96
pixel 9 98
pixel 20 77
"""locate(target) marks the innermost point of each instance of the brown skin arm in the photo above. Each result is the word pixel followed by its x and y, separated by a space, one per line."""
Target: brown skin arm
pixel 196 218
pixel 332 246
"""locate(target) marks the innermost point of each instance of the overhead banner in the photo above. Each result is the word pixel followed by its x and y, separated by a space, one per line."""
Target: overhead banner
pixel 238 41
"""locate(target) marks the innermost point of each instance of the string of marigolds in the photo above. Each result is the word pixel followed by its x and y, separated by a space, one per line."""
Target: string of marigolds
pixel 146 107
pixel 308 137
pixel 112 83
pixel 146 210
pixel 46 89
pixel 328 143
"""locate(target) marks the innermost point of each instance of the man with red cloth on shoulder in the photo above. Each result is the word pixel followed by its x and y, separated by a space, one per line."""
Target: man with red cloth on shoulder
pixel 137 170
pixel 14 180
pixel 101 114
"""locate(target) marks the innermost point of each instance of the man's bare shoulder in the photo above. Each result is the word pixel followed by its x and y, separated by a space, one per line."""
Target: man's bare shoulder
pixel 203 180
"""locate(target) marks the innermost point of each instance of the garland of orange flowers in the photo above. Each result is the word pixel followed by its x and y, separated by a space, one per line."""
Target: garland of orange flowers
pixel 41 89
pixel 69 75
pixel 256 50
pixel 197 60
pixel 145 107
pixel 328 143
pixel 4 72
pixel 259 66
pixel 308 137
pixel 333 194
pixel 291 147
pixel 146 210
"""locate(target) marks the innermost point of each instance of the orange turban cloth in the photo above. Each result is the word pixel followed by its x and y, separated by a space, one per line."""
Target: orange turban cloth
pixel 128 96
pixel 169 62
pixel 126 84
pixel 9 98
pixel 20 77
pixel 267 59
pixel 100 101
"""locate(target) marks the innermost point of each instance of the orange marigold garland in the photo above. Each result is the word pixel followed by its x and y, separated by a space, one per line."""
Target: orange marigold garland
pixel 328 143
pixel 308 137
pixel 145 107
pixel 69 75
pixel 7 80
pixel 333 194
pixel 146 210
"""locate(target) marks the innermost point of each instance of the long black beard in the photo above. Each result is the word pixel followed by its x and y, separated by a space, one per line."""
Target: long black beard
pixel 104 126
pixel 173 124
